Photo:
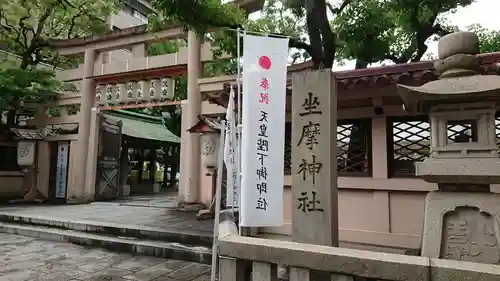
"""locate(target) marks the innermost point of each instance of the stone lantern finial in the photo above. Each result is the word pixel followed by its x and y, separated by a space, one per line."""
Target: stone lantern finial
pixel 460 80
pixel 458 55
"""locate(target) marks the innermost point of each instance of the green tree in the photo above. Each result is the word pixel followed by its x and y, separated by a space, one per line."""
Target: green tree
pixel 26 85
pixel 27 30
pixel 396 30
pixel 276 19
pixel 202 15
pixel 28 26
pixel 489 40
pixel 368 31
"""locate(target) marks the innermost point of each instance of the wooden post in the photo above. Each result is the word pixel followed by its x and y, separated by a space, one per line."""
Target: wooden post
pixel 314 161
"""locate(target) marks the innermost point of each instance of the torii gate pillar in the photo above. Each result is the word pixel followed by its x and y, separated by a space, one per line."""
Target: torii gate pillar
pixel 189 184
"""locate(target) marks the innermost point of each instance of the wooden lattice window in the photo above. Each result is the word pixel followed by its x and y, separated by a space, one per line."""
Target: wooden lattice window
pixel 354 148
pixel 408 142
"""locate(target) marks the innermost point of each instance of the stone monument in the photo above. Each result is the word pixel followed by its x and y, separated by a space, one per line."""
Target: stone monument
pixel 462 217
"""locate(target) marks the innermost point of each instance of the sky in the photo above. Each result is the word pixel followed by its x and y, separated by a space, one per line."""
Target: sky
pixel 484 12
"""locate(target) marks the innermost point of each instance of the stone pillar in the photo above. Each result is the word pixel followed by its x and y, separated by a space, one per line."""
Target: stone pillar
pixel 183 165
pixel 191 183
pixel 92 151
pixel 314 159
pixel 76 192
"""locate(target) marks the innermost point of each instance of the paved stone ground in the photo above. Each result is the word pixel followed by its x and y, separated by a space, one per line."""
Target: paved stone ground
pixel 29 259
pixel 154 211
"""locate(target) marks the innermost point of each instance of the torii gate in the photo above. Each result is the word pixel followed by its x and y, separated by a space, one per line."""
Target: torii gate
pixel 139 68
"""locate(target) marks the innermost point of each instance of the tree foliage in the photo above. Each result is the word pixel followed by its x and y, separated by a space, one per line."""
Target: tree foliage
pixel 489 40
pixel 199 15
pixel 33 85
pixel 275 18
pixel 396 30
pixel 28 26
pixel 368 30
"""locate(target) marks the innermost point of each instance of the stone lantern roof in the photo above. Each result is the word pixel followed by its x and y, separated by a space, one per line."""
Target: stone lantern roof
pixel 206 125
pixel 460 80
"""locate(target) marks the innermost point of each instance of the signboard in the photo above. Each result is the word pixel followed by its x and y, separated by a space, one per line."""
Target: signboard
pixel 26 153
pixel 62 169
pixel 314 161
pixel 264 98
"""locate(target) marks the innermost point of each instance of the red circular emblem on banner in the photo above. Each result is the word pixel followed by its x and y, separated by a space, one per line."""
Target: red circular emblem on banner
pixel 265 62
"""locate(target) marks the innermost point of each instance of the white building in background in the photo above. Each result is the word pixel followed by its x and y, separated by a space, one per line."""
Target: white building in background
pixel 133 13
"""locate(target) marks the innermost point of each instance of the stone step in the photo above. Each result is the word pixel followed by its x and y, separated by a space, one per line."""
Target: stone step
pixel 178 235
pixel 155 248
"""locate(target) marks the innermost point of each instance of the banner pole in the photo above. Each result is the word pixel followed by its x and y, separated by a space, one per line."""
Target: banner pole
pixel 218 199
pixel 239 122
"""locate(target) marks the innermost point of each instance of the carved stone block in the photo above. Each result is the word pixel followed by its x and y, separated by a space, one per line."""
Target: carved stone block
pixel 469 235
pixel 462 227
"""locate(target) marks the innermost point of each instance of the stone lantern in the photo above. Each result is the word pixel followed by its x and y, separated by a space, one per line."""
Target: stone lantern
pixel 210 131
pixel 27 150
pixel 461 218
pixel 209 128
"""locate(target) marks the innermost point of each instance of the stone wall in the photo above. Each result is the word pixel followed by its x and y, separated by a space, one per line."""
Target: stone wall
pixel 241 255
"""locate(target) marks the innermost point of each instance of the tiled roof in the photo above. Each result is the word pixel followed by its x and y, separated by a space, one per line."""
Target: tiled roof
pixel 416 74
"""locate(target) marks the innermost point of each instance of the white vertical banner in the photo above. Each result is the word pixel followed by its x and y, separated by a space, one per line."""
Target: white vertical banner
pixel 264 98
pixel 62 169
pixel 230 145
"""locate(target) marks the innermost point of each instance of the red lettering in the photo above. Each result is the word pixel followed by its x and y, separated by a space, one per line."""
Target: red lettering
pixel 264 84
pixel 264 98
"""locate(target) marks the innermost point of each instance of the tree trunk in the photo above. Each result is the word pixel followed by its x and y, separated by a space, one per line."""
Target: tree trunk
pixel 361 64
pixel 321 36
